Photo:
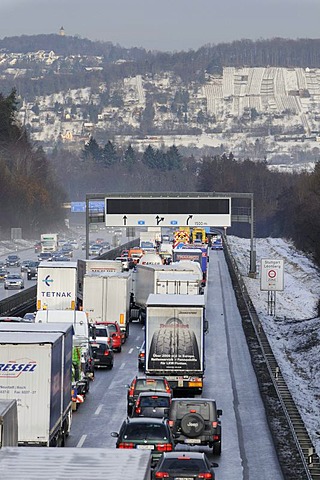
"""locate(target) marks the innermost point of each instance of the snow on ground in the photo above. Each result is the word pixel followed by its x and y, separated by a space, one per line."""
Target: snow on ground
pixel 293 332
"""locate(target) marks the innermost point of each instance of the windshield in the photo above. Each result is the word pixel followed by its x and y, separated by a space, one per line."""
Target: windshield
pixel 145 385
pixel 101 332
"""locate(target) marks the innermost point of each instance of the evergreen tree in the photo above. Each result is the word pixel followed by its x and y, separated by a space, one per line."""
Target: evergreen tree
pixel 130 158
pixel 148 157
pixel 174 161
pixel 109 154
pixel 92 151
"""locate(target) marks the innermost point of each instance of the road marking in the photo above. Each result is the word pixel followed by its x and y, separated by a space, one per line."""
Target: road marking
pixel 97 412
pixel 138 337
pixel 81 441
pixel 130 351
pixel 122 366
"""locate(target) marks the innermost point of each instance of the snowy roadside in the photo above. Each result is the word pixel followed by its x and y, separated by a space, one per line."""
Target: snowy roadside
pixel 10 246
pixel 293 332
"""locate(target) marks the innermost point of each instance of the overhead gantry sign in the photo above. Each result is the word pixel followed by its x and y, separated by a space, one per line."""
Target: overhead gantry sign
pixel 166 211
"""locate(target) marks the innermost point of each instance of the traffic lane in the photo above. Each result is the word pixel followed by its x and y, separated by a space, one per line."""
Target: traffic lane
pixel 105 406
pixel 232 381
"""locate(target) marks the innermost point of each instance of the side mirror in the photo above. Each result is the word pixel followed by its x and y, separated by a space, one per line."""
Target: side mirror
pixel 214 465
pixel 114 434
pixel 206 326
pixel 127 386
pixel 219 412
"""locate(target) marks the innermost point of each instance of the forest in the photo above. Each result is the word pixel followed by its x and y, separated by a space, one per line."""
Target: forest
pixel 33 186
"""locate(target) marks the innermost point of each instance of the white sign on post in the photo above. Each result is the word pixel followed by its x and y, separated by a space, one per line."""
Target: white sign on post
pixel 272 274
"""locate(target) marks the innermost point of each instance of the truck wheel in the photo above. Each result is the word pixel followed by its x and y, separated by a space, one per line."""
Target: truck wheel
pixel 192 425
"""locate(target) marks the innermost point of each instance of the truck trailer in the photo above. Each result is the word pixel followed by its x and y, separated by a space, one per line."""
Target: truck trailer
pixel 64 328
pixel 176 278
pixel 57 286
pixel 75 463
pixel 49 242
pixel 106 298
pixel 175 328
pixel 83 366
pixel 95 267
pixel 35 370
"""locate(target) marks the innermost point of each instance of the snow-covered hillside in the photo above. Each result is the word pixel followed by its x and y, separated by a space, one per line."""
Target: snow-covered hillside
pixel 293 332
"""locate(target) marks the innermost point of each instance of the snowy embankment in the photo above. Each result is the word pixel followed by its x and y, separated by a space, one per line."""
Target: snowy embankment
pixel 293 332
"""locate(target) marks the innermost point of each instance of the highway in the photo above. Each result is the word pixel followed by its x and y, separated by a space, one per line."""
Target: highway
pixel 247 448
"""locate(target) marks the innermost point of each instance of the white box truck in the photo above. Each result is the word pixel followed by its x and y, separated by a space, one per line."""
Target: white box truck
pixel 35 370
pixel 66 329
pixel 175 326
pixel 146 281
pixel 49 242
pixel 95 267
pixel 81 350
pixel 75 463
pixel 57 286
pixel 106 298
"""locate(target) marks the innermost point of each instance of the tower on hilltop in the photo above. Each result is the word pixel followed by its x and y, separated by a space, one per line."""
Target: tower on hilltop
pixel 62 32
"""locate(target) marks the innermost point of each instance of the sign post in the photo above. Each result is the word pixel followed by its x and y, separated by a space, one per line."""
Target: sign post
pixel 272 280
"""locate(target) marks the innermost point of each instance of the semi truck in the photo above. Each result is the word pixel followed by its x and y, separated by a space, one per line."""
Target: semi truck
pixel 176 278
pixel 83 364
pixel 57 286
pixel 198 254
pixel 174 340
pixel 49 242
pixel 106 298
pixel 8 423
pixel 36 371
pixel 96 267
pixel 75 463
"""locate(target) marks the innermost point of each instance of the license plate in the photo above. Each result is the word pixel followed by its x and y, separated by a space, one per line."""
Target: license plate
pixel 145 447
pixel 183 478
pixel 192 440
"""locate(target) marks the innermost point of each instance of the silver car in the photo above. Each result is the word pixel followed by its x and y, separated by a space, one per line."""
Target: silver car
pixel 14 281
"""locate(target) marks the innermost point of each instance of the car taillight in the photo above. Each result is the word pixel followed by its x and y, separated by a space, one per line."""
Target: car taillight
pixel 164 447
pixel 162 475
pixel 106 353
pixel 131 389
pixel 138 410
pixel 214 424
pixel 171 423
pixel 141 354
pixel 168 389
pixel 126 445
pixel 215 437
pixel 204 475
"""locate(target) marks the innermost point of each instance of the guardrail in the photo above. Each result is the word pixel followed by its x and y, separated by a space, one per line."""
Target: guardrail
pixel 25 301
pixel 282 412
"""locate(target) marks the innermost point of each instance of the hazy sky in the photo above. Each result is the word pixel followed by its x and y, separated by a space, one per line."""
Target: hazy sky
pixel 164 24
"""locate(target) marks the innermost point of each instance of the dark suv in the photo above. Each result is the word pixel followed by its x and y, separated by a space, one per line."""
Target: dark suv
pixel 145 384
pixel 32 270
pixel 151 404
pixel 195 421
pixel 144 433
